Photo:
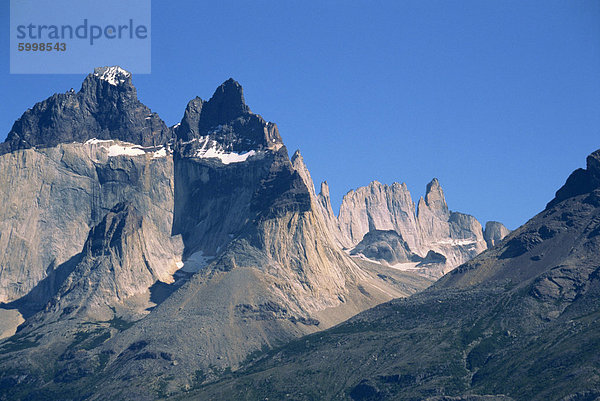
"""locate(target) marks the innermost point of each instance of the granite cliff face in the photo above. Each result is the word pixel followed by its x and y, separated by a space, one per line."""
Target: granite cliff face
pixel 123 256
pixel 52 197
pixel 151 263
pixel 494 233
pixel 428 227
pixel 381 207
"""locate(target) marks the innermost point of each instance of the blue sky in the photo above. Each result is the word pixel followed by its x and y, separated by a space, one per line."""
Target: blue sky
pixel 498 99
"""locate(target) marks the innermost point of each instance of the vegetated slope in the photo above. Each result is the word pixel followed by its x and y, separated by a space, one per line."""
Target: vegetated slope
pixel 521 321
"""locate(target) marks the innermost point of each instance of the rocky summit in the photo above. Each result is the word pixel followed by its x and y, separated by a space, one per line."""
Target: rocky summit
pixel 106 107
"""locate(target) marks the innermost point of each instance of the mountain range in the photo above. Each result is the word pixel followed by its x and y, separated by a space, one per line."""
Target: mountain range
pixel 140 261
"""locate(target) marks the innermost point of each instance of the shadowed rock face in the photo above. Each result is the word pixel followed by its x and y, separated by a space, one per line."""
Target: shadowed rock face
pixel 106 107
pixel 226 104
pixel 518 322
pixel 580 181
pixel 387 246
pixel 432 258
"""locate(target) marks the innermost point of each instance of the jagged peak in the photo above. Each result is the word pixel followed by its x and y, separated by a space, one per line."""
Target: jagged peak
pixel 593 163
pixel 401 185
pixel 434 196
pixel 194 103
pixel 114 75
pixel 114 78
pixel 298 163
pixel 297 155
pixel 374 186
pixel 433 185
pixel 106 107
pixel 225 122
pixel 227 102
pixel 394 185
pixel 230 86
pixel 187 128
pixel 581 181
pixel 193 110
pixel 324 189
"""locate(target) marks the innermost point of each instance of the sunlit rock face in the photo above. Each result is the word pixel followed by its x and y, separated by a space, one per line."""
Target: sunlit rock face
pixel 429 226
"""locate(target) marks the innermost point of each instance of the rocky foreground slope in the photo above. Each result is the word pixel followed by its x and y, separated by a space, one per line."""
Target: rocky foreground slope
pixel 519 322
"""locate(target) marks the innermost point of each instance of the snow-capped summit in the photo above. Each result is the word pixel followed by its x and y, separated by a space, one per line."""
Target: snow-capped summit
pixel 113 75
pixel 224 124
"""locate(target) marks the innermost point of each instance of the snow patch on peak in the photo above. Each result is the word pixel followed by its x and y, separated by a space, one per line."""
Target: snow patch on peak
pixel 162 152
pixel 211 149
pixel 115 148
pixel 224 157
pixel 95 141
pixel 125 150
pixel 113 75
pixel 456 242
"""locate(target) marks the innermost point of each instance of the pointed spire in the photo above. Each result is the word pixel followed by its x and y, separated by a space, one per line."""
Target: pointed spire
pixel 434 197
pixel 226 104
pixel 299 165
pixel 324 189
pixel 188 128
pixel 296 156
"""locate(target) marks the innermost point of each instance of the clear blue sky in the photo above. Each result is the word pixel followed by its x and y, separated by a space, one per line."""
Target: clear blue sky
pixel 499 99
